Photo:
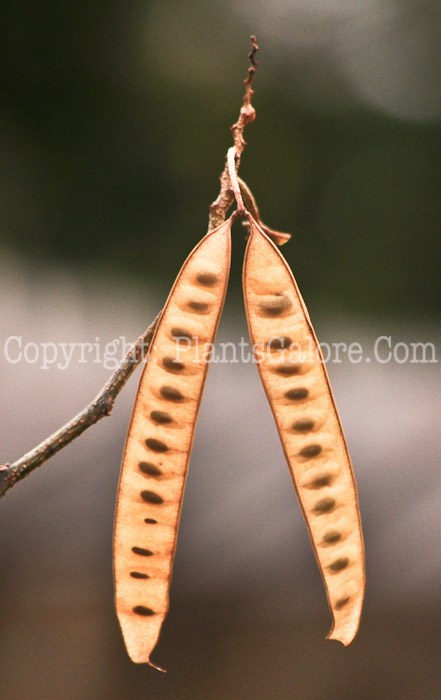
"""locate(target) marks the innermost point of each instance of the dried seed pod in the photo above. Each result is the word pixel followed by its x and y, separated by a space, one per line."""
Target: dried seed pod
pixel 159 442
pixel 297 386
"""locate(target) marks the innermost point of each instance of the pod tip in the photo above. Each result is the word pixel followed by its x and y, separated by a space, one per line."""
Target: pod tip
pixel 343 637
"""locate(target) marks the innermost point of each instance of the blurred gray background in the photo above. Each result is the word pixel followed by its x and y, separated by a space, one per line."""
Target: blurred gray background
pixel 114 125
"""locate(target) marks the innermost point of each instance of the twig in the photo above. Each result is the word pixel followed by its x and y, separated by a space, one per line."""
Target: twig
pixel 219 208
pixel 247 113
pixel 102 405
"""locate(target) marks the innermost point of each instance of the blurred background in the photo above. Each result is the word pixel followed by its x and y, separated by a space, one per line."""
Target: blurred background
pixel 114 124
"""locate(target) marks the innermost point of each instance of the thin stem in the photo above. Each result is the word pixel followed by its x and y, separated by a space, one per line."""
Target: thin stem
pixel 102 405
pixel 221 205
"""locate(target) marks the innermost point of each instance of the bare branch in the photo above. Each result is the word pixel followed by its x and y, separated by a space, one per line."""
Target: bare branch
pixel 221 205
pixel 247 113
pixel 102 405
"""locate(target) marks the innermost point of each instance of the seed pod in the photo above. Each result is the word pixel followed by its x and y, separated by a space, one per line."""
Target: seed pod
pixel 296 383
pixel 159 442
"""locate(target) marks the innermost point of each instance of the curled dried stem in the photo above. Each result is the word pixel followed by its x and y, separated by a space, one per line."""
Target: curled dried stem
pixel 231 163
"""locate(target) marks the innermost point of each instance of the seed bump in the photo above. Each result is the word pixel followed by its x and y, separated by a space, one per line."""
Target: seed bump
pixel 156 445
pixel 303 426
pixel 172 365
pixel 171 394
pixel 288 369
pixel 142 610
pixel 280 342
pixel 332 537
pixel 149 469
pixel 179 333
pixel 151 497
pixel 296 394
pixel 325 505
pixel 161 417
pixel 208 279
pixel 198 306
pixel 274 305
pixel 138 574
pixel 342 602
pixel 310 451
pixel 321 481
pixel 150 521
pixel 339 564
pixel 142 552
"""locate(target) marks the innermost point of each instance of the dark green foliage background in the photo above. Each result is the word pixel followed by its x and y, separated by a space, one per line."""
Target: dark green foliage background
pixel 110 156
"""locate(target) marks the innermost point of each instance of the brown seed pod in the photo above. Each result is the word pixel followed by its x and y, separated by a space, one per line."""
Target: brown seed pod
pixel 297 385
pixel 160 439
